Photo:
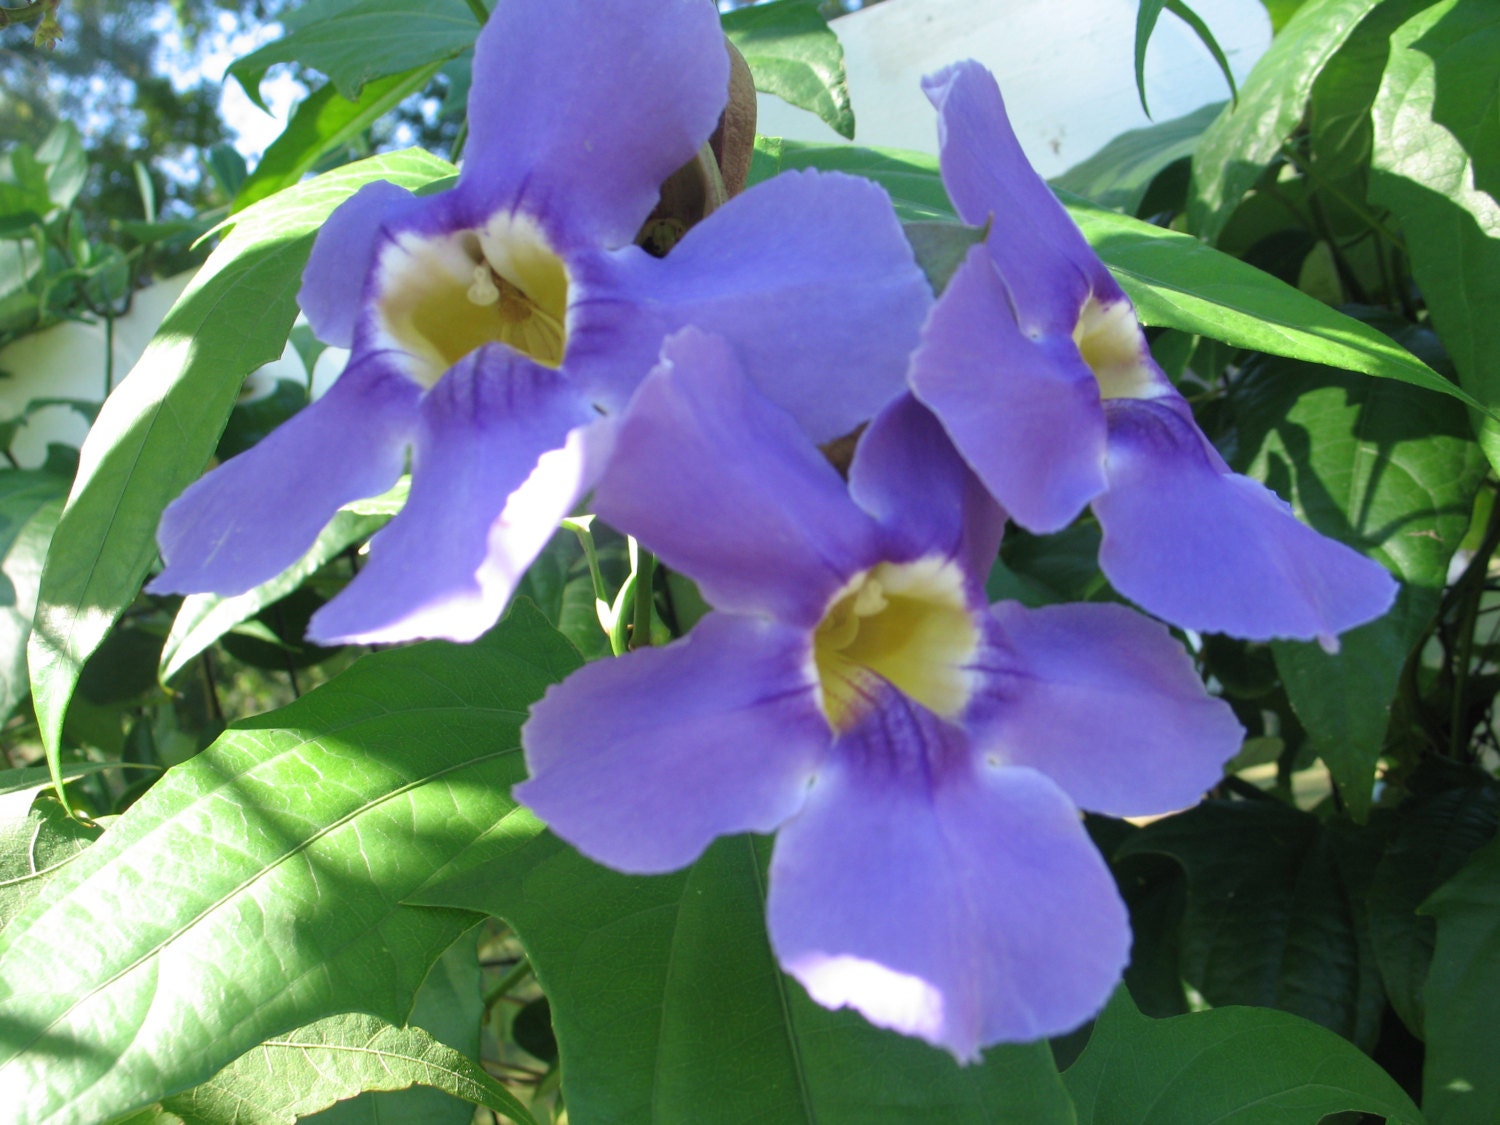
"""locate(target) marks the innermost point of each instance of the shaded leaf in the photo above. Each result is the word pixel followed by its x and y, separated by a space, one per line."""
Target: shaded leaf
pixel 34 847
pixel 666 999
pixel 1117 176
pixel 1274 914
pixel 1460 1084
pixel 1248 1066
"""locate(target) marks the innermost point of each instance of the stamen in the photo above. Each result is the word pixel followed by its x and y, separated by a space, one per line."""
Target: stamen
pixel 482 290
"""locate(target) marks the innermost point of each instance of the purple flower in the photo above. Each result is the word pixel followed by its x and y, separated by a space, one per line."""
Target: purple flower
pixel 493 324
pixel 1035 363
pixel 921 756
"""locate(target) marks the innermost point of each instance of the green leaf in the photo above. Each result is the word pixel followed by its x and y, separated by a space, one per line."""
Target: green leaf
pixel 156 432
pixel 666 999
pixel 1460 1084
pixel 34 847
pixel 912 178
pixel 262 885
pixel 1177 282
pixel 1274 912
pixel 1145 24
pixel 30 504
pixel 1423 168
pixel 301 1072
pixel 1435 836
pixel 1248 1066
pixel 1392 472
pixel 67 164
pixel 1117 176
pixel 323 122
pixel 940 248
pixel 204 618
pixel 366 41
pixel 794 54
pixel 1236 148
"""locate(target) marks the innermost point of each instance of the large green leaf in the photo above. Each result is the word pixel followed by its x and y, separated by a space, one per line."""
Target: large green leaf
pixel 157 431
pixel 1389 470
pixel 321 123
pixel 1177 282
pixel 1460 1082
pixel 1245 1066
pixel 35 846
pixel 1117 176
pixel 360 43
pixel 1423 168
pixel 1236 148
pixel 794 54
pixel 1274 911
pixel 262 885
pixel 669 1006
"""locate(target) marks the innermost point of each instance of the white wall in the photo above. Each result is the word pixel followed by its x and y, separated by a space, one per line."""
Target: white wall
pixel 1066 67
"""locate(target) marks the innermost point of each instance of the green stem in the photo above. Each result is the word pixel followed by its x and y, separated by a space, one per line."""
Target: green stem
pixel 1363 213
pixel 641 635
pixel 513 976
pixel 1473 582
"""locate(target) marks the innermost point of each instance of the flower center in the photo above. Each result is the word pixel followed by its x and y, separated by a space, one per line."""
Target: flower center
pixel 446 296
pixel 906 624
pixel 1109 340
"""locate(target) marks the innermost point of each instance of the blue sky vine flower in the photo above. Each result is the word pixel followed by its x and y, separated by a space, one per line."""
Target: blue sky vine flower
pixel 1037 366
pixel 921 755
pixel 492 324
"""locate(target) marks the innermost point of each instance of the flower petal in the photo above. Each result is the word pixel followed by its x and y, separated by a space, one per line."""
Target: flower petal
pixel 641 761
pixel 501 455
pixel 1037 247
pixel 907 475
pixel 962 904
pixel 1106 703
pixel 581 108
pixel 1214 551
pixel 1025 413
pixel 258 513
pixel 334 282
pixel 809 278
pixel 725 487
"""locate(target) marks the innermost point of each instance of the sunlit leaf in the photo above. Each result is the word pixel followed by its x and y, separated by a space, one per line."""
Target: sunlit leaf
pixel 794 54
pixel 262 885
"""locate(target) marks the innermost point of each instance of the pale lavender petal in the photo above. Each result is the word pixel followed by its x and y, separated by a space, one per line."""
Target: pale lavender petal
pixel 1024 412
pixel 1103 701
pixel 1038 248
pixel 501 455
pixel 807 275
pixel 1213 551
pixel 334 282
pixel 581 108
pixel 725 488
pixel 255 515
pixel 907 475
pixel 641 761
pixel 941 897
